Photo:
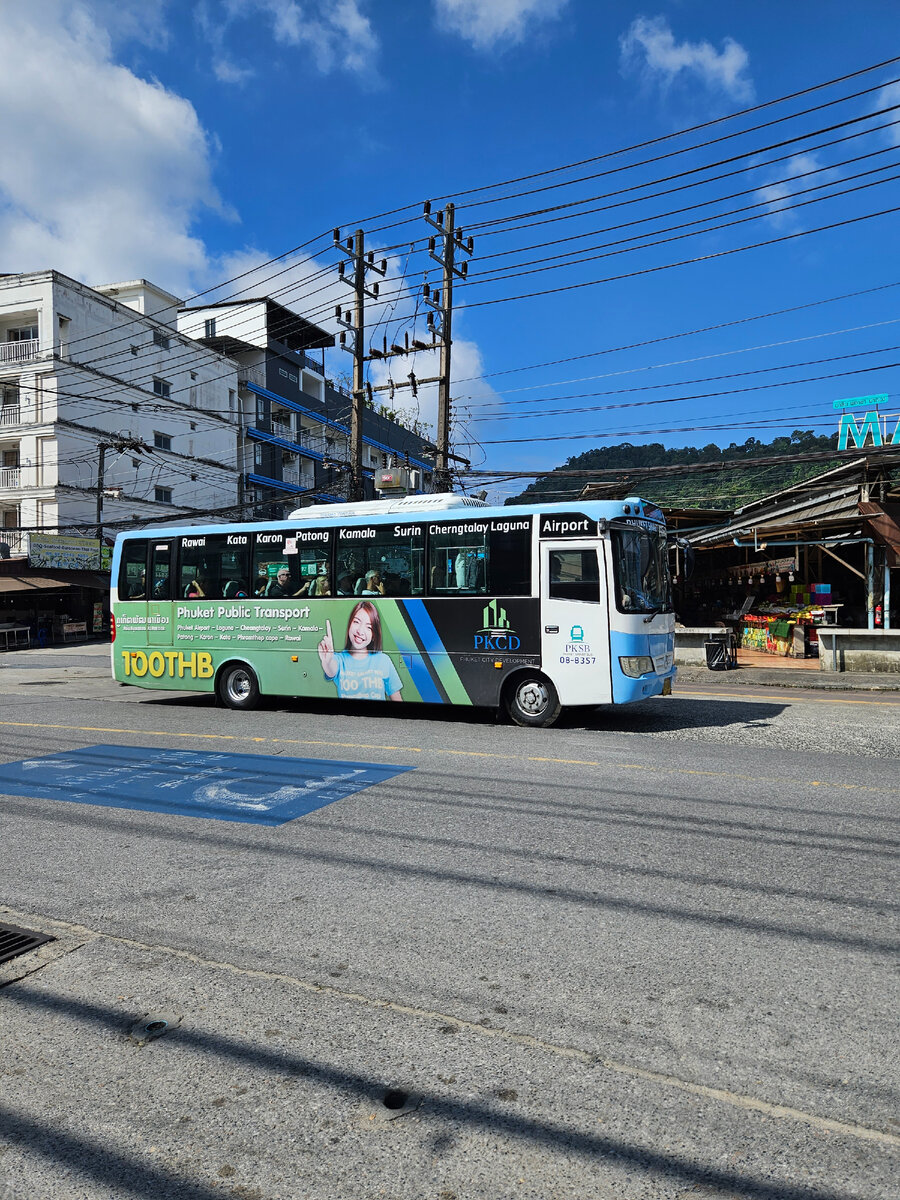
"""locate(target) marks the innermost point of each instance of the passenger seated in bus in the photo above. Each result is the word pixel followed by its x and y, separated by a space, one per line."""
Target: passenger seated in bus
pixel 278 588
pixel 199 588
pixel 373 585
pixel 319 586
pixel 322 585
pixel 345 585
pixel 262 580
pixel 139 590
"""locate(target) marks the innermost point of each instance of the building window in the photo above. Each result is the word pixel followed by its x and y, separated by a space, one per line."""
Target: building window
pixel 25 333
pixel 209 328
pixel 163 495
pixel 162 388
pixel 193 424
pixel 162 441
pixel 232 397
pixel 160 339
pixel 282 372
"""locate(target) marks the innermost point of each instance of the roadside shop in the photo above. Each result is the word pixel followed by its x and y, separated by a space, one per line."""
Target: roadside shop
pixel 815 557
pixel 57 593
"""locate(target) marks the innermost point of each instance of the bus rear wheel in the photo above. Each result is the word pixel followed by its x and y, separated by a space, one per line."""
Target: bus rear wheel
pixel 238 686
pixel 532 700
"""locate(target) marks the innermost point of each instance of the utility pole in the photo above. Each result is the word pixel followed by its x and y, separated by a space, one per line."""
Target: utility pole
pixel 120 444
pixel 441 302
pixel 101 463
pixel 440 327
pixel 355 248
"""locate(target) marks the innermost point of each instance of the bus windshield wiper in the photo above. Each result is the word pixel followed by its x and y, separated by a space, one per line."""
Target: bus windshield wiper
pixel 654 612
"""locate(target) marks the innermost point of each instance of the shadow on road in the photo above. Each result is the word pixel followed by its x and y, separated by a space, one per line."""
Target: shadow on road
pixel 131 1174
pixel 646 716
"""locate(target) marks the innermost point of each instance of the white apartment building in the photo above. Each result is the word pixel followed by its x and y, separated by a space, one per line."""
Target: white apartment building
pixel 82 367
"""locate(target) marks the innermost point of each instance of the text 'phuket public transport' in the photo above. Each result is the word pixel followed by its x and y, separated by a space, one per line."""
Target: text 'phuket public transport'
pixel 426 599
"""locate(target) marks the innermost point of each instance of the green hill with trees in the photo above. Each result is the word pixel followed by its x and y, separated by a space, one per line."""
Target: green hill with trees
pixel 716 489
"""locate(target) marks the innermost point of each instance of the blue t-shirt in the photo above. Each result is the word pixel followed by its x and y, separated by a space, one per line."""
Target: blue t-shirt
pixel 371 678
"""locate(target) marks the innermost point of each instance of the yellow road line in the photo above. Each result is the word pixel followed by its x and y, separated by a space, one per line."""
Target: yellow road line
pixel 578 762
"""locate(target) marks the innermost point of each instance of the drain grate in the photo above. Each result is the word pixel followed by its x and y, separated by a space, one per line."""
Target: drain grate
pixel 15 941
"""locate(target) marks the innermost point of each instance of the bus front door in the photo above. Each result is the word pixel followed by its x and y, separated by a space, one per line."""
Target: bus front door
pixel 574 622
pixel 160 609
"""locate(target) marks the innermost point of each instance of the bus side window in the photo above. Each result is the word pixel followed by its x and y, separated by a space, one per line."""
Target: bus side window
pixel 458 564
pixel 509 562
pixel 213 566
pixel 132 584
pixel 390 564
pixel 315 571
pixel 160 571
pixel 574 575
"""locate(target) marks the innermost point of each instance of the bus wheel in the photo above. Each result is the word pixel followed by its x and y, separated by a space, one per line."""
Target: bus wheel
pixel 238 687
pixel 532 700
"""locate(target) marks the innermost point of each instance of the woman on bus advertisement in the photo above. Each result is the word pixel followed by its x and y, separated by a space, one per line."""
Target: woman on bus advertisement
pixel 361 671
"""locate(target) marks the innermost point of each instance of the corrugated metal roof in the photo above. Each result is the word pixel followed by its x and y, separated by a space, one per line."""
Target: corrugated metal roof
pixel 53 581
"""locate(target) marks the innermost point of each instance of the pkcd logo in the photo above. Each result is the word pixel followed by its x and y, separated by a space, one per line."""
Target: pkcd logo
pixel 496 632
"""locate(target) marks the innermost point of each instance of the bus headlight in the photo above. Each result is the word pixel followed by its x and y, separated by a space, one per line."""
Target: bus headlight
pixel 640 664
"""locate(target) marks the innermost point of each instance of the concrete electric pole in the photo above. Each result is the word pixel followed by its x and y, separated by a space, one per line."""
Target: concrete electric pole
pixel 121 445
pixel 355 249
pixel 441 302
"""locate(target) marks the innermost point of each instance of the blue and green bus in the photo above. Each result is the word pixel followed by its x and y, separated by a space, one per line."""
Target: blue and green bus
pixel 426 599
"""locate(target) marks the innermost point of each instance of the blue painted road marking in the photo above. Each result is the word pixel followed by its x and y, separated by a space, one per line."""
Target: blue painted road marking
pixel 261 789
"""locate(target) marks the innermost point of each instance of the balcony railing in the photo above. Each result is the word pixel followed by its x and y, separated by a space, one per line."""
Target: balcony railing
pixel 10 414
pixel 17 542
pixel 309 364
pixel 9 477
pixel 255 375
pixel 16 352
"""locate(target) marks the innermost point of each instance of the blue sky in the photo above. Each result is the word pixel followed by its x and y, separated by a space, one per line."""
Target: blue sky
pixel 188 142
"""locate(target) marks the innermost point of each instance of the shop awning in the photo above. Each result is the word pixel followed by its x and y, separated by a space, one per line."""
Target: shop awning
pixel 53 581
pixel 884 520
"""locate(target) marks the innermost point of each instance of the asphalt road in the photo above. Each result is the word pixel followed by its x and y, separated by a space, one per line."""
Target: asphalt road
pixel 648 954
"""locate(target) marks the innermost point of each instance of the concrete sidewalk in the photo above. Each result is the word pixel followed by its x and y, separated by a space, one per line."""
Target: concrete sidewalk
pixel 793 677
pixel 78 671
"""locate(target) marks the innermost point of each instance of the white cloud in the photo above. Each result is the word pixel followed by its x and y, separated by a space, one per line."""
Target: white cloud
pixel 102 172
pixel 649 46
pixel 485 23
pixel 336 33
pixel 141 21
pixel 778 195
pixel 886 97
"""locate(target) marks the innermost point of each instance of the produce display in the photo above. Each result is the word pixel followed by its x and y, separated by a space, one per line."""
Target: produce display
pixel 769 626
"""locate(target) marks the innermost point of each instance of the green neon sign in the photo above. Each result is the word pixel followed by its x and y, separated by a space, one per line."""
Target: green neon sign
pixel 862 401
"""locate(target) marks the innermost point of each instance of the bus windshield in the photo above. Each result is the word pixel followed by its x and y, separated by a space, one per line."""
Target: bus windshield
pixel 640 560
